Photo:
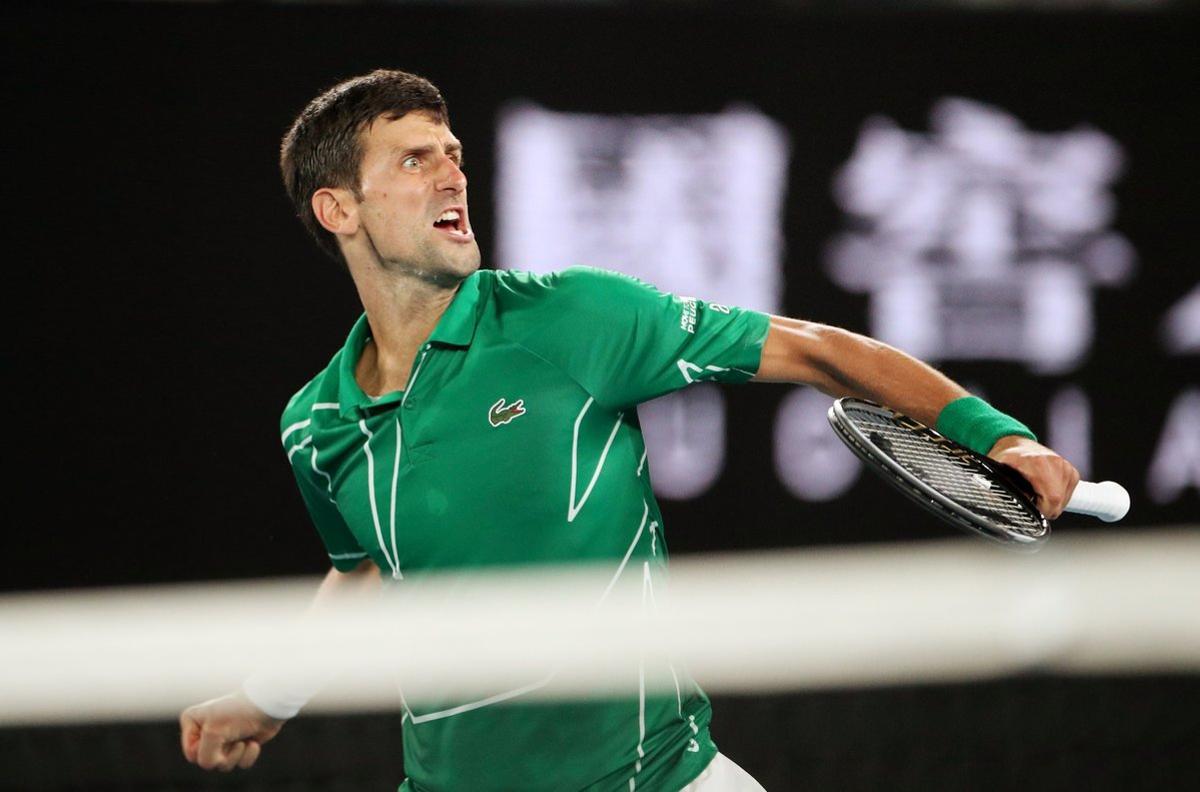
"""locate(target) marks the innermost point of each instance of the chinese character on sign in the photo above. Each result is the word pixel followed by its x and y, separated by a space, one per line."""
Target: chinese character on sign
pixel 689 203
pixel 981 239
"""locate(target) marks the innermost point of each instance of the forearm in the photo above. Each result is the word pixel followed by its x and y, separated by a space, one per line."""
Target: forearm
pixel 280 691
pixel 841 363
pixel 359 583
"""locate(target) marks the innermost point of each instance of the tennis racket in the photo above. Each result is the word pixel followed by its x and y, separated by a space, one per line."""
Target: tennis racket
pixel 966 489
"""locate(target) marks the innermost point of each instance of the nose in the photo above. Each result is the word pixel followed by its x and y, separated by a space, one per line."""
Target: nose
pixel 451 177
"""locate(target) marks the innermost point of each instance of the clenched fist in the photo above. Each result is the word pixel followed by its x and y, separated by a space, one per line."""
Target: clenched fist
pixel 226 732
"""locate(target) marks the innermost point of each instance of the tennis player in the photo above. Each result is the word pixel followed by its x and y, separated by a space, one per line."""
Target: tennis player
pixel 475 418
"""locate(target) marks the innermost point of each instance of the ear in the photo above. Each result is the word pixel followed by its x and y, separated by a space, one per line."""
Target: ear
pixel 336 210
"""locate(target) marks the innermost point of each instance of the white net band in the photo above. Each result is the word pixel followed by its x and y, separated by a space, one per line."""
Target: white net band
pixel 1128 602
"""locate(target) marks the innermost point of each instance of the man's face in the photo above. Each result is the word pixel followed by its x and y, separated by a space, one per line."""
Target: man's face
pixel 414 199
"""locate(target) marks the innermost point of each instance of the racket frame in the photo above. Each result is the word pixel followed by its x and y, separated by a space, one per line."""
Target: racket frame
pixel 923 494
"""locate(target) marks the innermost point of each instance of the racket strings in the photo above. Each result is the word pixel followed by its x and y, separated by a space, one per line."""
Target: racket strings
pixel 959 478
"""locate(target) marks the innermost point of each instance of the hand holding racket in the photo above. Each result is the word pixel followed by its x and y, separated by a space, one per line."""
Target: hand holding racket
pixel 964 488
pixel 1048 479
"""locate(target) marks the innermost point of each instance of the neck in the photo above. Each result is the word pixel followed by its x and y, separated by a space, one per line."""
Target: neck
pixel 402 310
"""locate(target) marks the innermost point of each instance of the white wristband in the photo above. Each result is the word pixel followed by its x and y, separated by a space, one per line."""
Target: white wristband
pixel 274 696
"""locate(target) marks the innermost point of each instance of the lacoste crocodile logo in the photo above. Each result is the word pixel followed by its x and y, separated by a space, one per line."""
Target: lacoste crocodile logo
pixel 501 414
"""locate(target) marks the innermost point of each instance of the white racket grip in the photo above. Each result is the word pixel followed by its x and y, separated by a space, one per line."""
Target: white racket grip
pixel 1107 500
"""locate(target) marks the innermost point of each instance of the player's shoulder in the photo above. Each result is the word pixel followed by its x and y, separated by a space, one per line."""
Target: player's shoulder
pixel 580 286
pixel 320 390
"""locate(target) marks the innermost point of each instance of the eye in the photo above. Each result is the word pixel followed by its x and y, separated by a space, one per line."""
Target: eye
pixel 411 162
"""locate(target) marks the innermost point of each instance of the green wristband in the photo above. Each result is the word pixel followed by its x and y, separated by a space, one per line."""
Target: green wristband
pixel 972 422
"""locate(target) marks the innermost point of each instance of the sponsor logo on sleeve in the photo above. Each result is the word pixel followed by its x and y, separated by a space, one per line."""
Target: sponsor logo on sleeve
pixel 687 322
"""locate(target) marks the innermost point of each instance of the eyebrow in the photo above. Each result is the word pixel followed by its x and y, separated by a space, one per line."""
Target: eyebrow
pixel 452 148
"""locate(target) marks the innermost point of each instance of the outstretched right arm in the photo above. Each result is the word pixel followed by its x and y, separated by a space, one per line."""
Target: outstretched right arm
pixel 229 731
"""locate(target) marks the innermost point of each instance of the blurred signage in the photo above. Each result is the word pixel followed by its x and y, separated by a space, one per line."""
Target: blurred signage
pixel 690 203
pixel 1181 327
pixel 1175 466
pixel 980 239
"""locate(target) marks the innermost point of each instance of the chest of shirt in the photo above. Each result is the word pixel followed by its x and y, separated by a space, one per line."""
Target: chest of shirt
pixel 485 460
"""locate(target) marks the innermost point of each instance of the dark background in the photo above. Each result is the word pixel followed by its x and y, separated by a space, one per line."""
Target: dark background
pixel 174 303
pixel 164 304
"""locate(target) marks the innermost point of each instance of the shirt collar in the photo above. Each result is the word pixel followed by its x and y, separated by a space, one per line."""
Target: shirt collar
pixel 456 327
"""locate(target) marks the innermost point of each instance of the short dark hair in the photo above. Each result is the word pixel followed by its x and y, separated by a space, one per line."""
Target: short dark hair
pixel 323 147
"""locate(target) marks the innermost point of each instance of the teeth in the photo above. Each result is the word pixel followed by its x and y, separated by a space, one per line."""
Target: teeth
pixel 448 215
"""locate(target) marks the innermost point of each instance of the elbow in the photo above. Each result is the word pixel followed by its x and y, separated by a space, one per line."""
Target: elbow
pixel 832 351
pixel 834 360
pixel 802 352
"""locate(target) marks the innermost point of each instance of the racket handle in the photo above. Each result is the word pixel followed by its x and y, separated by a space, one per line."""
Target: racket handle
pixel 1107 500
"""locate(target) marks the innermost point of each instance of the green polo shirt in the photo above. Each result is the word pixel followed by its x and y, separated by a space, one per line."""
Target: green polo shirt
pixel 516 441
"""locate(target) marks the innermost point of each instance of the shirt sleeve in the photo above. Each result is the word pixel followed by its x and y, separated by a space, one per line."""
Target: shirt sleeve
pixel 344 551
pixel 626 342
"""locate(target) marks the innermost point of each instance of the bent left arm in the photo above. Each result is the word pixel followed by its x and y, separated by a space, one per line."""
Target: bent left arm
pixel 841 363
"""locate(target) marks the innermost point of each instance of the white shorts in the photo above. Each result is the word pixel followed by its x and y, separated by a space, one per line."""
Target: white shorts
pixel 723 775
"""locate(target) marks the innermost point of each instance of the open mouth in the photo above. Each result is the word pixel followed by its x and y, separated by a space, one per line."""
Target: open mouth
pixel 453 221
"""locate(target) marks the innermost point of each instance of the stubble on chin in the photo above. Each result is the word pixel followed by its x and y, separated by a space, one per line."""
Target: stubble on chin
pixel 431 265
pixel 435 268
